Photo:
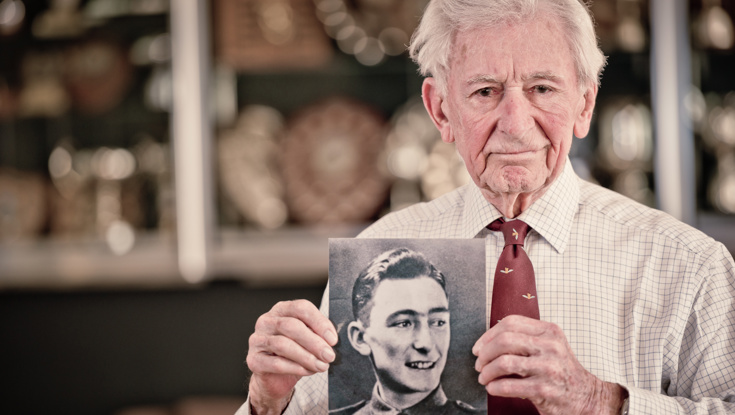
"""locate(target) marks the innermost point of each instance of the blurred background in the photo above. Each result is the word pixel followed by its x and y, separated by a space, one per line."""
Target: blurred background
pixel 171 169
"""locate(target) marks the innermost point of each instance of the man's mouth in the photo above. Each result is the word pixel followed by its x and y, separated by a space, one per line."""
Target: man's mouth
pixel 421 365
pixel 515 153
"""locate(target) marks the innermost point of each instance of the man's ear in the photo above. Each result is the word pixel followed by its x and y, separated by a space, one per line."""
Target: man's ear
pixel 356 334
pixel 584 117
pixel 434 102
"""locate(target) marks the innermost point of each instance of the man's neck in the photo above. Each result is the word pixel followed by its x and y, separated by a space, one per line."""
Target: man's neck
pixel 511 205
pixel 401 401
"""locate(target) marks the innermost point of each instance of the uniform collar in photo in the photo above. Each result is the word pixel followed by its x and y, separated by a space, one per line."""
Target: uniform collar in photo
pixel 436 402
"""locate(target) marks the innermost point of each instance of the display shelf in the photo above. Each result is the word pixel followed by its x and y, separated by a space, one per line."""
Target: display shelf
pixel 290 256
pixel 75 264
pixel 396 79
pixel 296 255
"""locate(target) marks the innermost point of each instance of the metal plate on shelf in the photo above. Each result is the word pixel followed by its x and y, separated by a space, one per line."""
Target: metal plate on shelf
pixel 98 75
pixel 263 34
pixel 248 172
pixel 330 162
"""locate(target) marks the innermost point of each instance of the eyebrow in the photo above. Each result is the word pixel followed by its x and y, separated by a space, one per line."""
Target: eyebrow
pixel 532 77
pixel 481 79
pixel 542 75
pixel 414 313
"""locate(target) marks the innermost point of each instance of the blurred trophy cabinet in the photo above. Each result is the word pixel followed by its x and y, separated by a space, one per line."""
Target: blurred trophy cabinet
pixel 318 129
pixel 85 166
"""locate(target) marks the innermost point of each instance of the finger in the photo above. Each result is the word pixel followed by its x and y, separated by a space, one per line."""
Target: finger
pixel 296 331
pixel 512 323
pixel 285 320
pixel 515 377
pixel 311 316
pixel 543 392
pixel 514 387
pixel 506 366
pixel 287 348
pixel 540 339
pixel 265 363
pixel 507 343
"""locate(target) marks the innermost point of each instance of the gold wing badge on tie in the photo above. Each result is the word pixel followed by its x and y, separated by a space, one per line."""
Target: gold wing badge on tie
pixel 528 296
pixel 506 270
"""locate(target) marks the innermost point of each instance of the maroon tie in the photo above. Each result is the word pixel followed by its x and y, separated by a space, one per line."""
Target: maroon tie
pixel 514 292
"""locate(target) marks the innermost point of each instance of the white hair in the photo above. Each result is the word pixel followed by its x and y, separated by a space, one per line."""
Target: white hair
pixel 431 44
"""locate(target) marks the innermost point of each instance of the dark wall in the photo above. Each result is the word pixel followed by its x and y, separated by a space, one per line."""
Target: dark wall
pixel 95 352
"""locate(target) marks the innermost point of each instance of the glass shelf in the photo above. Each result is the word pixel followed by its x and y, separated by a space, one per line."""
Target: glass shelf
pixel 289 256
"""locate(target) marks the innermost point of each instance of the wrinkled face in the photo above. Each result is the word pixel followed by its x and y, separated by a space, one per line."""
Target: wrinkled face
pixel 408 334
pixel 513 104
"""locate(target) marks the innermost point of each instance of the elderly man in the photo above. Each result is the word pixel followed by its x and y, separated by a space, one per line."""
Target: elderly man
pixel 637 311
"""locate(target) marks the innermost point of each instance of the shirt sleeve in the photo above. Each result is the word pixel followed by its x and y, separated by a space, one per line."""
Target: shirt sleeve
pixel 310 396
pixel 703 381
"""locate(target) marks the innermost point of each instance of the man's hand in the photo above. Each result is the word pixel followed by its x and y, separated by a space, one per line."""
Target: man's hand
pixel 526 358
pixel 290 341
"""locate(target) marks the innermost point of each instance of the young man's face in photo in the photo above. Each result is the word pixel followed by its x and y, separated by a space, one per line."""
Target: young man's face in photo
pixel 409 334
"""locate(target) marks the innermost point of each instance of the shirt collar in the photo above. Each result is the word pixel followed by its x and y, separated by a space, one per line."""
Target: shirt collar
pixel 477 214
pixel 551 216
pixel 426 406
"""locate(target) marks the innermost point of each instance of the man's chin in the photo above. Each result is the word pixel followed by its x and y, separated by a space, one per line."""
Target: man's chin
pixel 514 178
pixel 511 184
pixel 424 382
pixel 418 383
pixel 422 387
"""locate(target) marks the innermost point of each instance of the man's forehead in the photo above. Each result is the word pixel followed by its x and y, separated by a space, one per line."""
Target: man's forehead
pixel 421 279
pixel 498 53
pixel 399 291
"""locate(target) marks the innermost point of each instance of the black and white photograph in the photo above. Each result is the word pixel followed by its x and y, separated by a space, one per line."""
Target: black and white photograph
pixel 407 313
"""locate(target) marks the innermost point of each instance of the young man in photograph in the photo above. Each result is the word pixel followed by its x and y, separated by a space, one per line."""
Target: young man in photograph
pixel 401 322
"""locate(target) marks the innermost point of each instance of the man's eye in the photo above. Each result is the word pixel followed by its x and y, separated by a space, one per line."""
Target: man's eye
pixel 401 323
pixel 485 92
pixel 541 89
pixel 438 323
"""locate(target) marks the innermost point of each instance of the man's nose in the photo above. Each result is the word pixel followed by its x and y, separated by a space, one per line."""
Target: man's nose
pixel 422 337
pixel 514 117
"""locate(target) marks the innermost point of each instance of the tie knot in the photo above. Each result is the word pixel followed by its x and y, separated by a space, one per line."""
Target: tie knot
pixel 514 231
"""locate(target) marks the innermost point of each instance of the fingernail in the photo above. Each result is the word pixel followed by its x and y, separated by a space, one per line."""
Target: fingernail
pixel 321 366
pixel 475 349
pixel 330 337
pixel 328 354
